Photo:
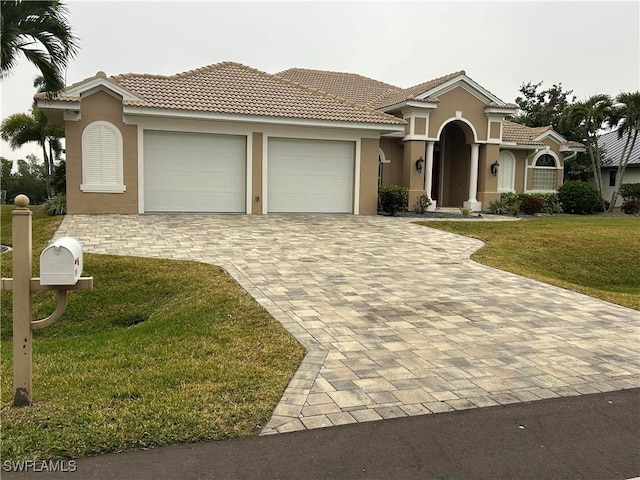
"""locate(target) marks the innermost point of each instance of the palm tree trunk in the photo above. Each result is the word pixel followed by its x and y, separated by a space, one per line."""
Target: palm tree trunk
pixel 622 167
pixel 47 176
pixel 597 178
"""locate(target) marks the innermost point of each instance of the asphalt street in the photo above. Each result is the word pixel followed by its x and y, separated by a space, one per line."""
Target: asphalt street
pixel 583 437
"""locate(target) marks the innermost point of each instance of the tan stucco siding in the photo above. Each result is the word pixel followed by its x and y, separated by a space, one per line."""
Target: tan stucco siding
pixel 494 130
pixel 392 171
pixel 521 156
pixel 487 183
pixel 420 126
pixel 411 178
pixel 105 107
pixel 256 167
pixel 369 149
pixel 459 100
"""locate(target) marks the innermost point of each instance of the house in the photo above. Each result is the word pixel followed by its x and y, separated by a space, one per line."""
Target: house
pixel 230 138
pixel 612 147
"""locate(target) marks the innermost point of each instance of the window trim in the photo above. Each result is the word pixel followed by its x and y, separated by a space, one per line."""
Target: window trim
pixel 532 166
pixel 118 186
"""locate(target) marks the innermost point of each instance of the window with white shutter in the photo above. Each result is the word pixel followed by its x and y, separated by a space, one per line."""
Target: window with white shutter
pixel 102 158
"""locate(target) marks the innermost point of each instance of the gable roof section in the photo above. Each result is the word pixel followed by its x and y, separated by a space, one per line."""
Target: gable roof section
pixel 232 88
pixel 613 146
pixel 416 93
pixel 350 86
pixel 520 134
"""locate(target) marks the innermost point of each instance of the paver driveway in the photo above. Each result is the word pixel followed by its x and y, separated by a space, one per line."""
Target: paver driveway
pixel 396 319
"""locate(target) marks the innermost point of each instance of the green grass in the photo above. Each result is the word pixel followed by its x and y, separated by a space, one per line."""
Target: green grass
pixel 159 352
pixel 595 255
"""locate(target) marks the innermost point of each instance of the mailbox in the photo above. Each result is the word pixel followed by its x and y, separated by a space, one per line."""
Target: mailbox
pixel 61 262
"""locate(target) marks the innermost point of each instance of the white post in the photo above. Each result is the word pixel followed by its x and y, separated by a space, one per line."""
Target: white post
pixel 22 337
pixel 473 203
pixel 428 176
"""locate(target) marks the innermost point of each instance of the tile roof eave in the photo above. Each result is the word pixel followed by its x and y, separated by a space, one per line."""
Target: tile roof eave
pixel 522 145
pixel 133 108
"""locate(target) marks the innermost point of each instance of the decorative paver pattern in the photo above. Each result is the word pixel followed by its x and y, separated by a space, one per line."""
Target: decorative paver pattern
pixel 396 318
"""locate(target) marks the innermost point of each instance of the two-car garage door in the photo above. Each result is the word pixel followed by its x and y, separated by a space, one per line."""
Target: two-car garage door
pixel 193 172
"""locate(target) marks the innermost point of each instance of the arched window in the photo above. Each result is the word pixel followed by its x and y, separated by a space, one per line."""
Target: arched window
pixel 545 172
pixel 102 158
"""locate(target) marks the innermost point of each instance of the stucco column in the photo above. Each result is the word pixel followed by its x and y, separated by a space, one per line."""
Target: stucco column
pixel 411 178
pixel 473 203
pixel 428 175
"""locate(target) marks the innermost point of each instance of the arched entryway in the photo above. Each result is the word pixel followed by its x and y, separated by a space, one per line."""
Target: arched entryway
pixel 452 164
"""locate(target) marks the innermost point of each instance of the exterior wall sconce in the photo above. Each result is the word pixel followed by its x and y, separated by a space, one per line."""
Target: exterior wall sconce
pixel 494 168
pixel 419 164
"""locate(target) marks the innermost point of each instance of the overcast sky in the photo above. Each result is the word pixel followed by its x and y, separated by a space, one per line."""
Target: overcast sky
pixel 590 47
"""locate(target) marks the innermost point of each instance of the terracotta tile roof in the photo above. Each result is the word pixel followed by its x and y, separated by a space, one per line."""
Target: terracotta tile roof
pixel 233 88
pixel 350 86
pixel 364 90
pixel 412 92
pixel 521 134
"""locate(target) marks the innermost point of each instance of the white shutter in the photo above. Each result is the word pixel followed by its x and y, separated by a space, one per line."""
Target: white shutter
pixel 102 162
pixel 506 172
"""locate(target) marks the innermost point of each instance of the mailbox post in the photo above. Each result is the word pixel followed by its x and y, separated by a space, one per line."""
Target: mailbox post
pixel 63 266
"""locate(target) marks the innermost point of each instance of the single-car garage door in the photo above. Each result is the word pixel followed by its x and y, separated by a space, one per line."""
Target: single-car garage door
pixel 194 172
pixel 310 176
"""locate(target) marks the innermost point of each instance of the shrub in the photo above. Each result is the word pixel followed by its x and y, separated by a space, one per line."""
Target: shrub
pixel 579 197
pixel 531 205
pixel 630 191
pixel 497 207
pixel 513 203
pixel 550 203
pixel 56 205
pixel 505 205
pixel 422 203
pixel 631 207
pixel 393 199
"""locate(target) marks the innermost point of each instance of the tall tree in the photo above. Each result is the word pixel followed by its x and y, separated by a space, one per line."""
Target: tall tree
pixel 38 30
pixel 626 116
pixel 543 108
pixel 22 128
pixel 587 118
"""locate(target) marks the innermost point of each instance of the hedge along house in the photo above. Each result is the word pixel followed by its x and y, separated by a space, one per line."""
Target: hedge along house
pixel 229 138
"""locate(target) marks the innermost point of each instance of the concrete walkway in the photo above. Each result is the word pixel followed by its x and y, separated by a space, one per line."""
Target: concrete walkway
pixel 396 319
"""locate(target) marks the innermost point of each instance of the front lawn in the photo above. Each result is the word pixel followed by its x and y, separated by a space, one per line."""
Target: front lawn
pixel 159 352
pixel 595 255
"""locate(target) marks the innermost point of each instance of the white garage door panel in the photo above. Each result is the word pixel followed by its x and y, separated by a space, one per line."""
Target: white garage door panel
pixel 192 172
pixel 310 176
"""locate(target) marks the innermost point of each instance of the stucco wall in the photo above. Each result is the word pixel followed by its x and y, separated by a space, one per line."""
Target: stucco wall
pixel 101 106
pixel 369 176
pixel 393 152
pixel 256 167
pixel 459 100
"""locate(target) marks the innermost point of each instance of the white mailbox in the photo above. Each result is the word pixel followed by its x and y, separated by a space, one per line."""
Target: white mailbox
pixel 61 262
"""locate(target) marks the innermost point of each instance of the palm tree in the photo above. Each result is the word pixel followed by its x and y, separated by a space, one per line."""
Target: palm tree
pixel 21 128
pixel 626 116
pixel 588 117
pixel 38 30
